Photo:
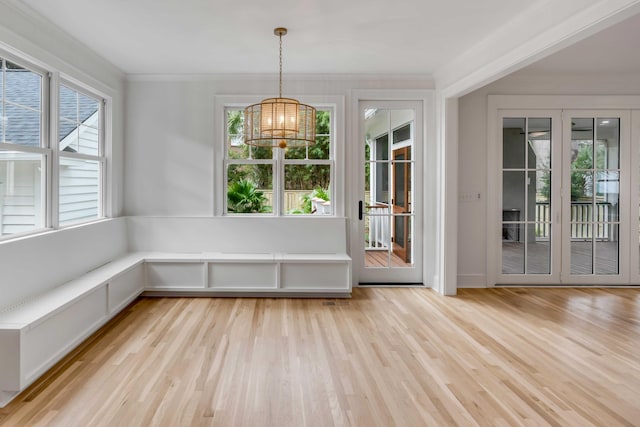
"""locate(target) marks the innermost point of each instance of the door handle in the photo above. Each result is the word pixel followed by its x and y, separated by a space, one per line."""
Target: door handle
pixel 360 210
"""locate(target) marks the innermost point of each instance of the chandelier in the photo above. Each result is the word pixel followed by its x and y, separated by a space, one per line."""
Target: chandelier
pixel 280 122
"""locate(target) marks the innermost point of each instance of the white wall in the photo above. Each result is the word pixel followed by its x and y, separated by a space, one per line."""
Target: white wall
pixel 32 265
pixel 170 133
pixel 169 156
pixel 472 157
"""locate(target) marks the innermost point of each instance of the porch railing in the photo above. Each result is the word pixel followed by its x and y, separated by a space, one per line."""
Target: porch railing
pixel 584 221
pixel 377 227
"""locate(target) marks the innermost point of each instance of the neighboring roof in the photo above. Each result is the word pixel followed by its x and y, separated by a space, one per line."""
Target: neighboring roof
pixel 20 98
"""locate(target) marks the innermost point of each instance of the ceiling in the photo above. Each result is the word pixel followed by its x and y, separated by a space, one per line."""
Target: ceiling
pixel 325 37
pixel 328 36
pixel 612 50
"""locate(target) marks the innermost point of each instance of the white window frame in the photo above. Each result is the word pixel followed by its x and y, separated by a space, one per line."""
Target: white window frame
pixel 44 149
pixel 334 104
pixel 51 80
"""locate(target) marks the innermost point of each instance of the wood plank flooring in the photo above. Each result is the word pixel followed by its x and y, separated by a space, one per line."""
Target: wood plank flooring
pixel 387 357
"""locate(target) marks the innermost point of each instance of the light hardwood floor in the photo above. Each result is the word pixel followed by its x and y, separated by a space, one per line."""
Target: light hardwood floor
pixel 403 357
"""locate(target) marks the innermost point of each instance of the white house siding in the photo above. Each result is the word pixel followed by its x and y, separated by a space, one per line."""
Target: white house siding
pixel 20 207
pixel 80 179
pixel 20 195
pixel 79 190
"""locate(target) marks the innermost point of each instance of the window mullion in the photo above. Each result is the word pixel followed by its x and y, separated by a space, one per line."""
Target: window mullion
pixel 79 156
pixel 24 148
pixel 102 151
pixel 53 188
pixel 249 161
pixel 279 179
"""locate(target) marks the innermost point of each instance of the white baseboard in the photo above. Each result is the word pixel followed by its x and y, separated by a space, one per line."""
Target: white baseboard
pixel 472 281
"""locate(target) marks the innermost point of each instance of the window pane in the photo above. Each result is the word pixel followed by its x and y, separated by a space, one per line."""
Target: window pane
pixel 538 248
pixel 378 177
pixel 607 249
pixel 401 254
pixel 235 140
pixel 250 188
pixel 543 186
pixel 582 252
pixel 68 103
pixel 382 147
pixel 581 187
pixel 513 143
pixel 22 87
pixel 68 136
pixel 321 149
pixel 237 149
pixel 402 134
pixel 79 123
pixel 607 195
pixel 514 191
pixel 307 189
pixel 89 140
pixel 22 126
pixel 539 137
pixel 87 107
pixel 295 153
pixel 3 119
pixel 608 143
pixel 402 177
pixel 79 191
pixel 377 238
pixel 21 192
pixel 261 152
pixel 513 249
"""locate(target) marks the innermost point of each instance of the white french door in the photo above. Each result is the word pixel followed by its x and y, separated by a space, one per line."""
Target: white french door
pixel 389 248
pixel 565 197
pixel 596 197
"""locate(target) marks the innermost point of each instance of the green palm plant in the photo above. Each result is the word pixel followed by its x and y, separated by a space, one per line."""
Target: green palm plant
pixel 243 196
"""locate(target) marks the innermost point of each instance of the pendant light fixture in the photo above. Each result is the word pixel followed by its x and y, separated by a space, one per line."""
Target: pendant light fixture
pixel 280 122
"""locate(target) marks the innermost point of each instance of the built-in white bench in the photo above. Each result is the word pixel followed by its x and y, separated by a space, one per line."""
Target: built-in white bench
pixel 38 332
pixel 266 274
pixel 42 322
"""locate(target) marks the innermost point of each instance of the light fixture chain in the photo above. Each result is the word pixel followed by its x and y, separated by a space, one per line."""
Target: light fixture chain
pixel 280 35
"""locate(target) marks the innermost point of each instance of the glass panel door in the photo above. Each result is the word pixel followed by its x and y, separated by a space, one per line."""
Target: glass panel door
pixel 593 213
pixel 528 198
pixel 391 246
pixel 565 198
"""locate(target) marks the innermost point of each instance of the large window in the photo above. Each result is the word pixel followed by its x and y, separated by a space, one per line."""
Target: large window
pixel 33 160
pixel 274 181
